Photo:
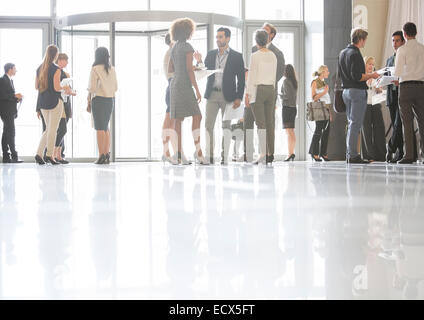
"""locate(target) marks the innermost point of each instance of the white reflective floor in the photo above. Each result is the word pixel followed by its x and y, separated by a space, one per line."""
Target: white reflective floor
pixel 148 231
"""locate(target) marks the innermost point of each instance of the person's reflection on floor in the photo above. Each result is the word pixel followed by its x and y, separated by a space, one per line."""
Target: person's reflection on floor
pixel 263 256
pixel 103 229
pixel 223 228
pixel 182 225
pixel 55 226
pixel 410 256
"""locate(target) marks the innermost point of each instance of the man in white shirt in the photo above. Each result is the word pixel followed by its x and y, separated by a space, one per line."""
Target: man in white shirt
pixel 409 67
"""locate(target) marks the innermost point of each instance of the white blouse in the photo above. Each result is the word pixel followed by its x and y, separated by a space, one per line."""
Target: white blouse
pixel 262 71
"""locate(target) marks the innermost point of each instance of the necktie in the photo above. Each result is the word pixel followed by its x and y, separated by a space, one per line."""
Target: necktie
pixel 11 81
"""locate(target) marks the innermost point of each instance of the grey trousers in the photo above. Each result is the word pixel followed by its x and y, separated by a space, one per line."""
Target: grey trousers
pixel 356 105
pixel 411 102
pixel 215 103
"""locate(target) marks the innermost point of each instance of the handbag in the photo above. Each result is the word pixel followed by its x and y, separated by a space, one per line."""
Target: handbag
pixel 339 105
pixel 317 111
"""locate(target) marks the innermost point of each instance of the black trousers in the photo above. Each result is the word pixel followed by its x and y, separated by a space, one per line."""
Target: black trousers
pixel 395 144
pixel 8 137
pixel 373 136
pixel 322 132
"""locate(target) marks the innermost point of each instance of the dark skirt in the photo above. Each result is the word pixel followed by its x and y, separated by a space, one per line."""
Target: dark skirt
pixel 289 117
pixel 102 108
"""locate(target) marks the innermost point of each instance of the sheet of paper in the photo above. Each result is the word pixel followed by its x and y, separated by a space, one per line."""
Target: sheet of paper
pixel 385 81
pixel 382 71
pixel 204 73
pixel 379 98
pixel 233 114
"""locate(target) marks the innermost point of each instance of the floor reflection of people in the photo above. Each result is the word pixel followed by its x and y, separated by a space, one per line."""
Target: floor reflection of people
pixel 181 225
pixel 8 219
pixel 55 227
pixel 223 228
pixel 103 229
pixel 264 260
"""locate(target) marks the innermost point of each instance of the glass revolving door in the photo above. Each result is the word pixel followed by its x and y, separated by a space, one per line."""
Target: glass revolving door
pixel 137 46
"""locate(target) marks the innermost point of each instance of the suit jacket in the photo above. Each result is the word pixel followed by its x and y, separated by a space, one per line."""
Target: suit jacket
pixel 234 69
pixel 392 90
pixel 281 63
pixel 8 101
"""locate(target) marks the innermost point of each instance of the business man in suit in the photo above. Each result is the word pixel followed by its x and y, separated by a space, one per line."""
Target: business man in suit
pixel 222 89
pixel 8 113
pixel 248 114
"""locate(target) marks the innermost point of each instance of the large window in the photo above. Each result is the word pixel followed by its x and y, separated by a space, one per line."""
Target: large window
pixel 274 9
pixel 25 8
pixel 66 7
pixel 28 128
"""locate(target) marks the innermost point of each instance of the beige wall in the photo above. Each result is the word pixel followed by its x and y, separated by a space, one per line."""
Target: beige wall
pixel 372 16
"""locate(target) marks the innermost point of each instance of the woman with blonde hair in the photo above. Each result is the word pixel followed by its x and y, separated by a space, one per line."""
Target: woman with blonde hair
pixel 373 142
pixel 47 83
pixel 319 143
pixel 184 101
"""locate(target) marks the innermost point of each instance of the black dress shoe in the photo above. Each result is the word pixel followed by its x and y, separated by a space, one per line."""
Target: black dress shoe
pixel 357 160
pixel 7 159
pixel 269 159
pixel 406 161
pixel 16 160
pixel 62 161
pixel 39 160
pixel 51 161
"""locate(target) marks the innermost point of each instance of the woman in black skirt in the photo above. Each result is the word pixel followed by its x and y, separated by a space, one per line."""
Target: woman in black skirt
pixel 289 97
pixel 101 100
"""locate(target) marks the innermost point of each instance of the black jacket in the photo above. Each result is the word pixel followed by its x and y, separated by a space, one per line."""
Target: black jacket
pixel 392 90
pixel 8 101
pixel 351 68
pixel 234 69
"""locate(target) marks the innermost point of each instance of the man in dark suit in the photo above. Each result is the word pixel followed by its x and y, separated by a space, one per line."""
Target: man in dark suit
pixel 248 114
pixel 222 89
pixel 8 113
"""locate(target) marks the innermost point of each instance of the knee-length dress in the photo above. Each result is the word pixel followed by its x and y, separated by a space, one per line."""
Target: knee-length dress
pixel 183 98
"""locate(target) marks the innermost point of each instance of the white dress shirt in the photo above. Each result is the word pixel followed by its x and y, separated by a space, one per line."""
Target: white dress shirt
pixel 409 64
pixel 262 71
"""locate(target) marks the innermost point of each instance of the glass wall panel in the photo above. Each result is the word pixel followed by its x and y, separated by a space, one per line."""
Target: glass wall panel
pixel 274 9
pixel 228 7
pixel 66 7
pixel 25 8
pixel 131 61
pixel 28 128
pixel 80 48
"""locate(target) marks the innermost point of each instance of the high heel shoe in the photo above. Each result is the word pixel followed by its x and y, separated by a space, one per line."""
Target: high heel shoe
pixel 39 160
pixel 101 160
pixel 200 159
pixel 325 158
pixel 169 160
pixel 261 160
pixel 107 161
pixel 51 161
pixel 290 158
pixel 316 159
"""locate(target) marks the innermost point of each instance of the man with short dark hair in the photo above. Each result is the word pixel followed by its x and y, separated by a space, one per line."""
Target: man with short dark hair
pixel 409 67
pixel 8 113
pixel 395 145
pixel 354 82
pixel 222 88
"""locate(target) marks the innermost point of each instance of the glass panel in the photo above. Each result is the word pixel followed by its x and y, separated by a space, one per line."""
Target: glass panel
pixel 28 128
pixel 274 9
pixel 66 7
pixel 132 97
pixel 285 42
pixel 80 49
pixel 228 7
pixel 25 8
pixel 143 26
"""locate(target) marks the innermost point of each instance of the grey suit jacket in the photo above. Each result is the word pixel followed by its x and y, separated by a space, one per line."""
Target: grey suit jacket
pixel 281 63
